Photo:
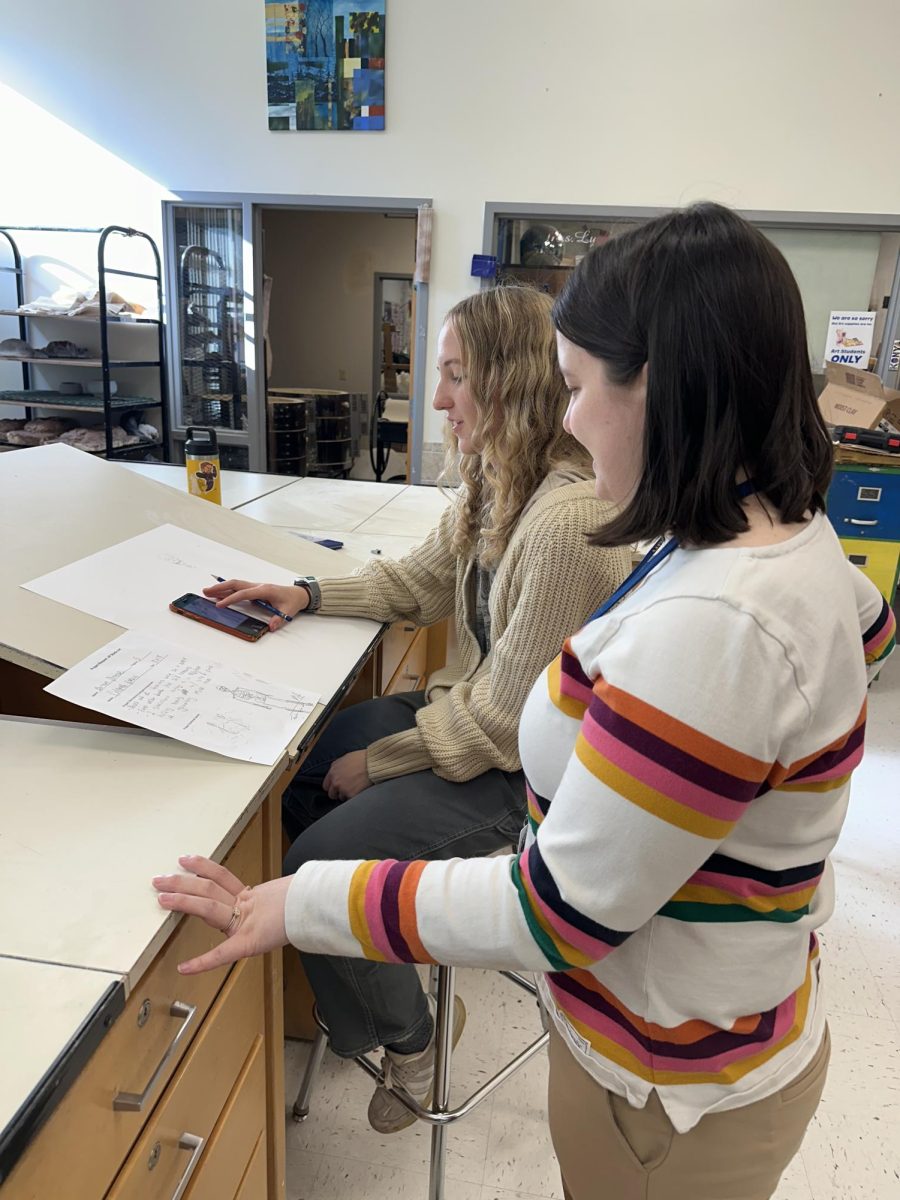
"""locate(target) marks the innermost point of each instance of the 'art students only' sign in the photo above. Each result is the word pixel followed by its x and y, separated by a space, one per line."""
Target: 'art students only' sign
pixel 850 337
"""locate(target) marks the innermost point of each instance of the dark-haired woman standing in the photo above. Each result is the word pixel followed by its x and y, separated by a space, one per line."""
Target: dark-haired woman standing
pixel 688 755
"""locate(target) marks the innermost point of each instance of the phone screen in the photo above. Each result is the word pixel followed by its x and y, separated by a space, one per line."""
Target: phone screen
pixel 229 618
pixel 206 608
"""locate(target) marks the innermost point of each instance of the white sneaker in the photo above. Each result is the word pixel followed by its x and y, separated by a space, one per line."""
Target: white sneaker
pixel 414 1073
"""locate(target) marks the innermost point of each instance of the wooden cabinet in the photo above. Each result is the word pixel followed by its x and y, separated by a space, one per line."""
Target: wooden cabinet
pixel 411 672
pixel 176 1091
pixel 253 1185
pixel 232 1146
pixel 395 645
pixel 173 1149
pixel 409 655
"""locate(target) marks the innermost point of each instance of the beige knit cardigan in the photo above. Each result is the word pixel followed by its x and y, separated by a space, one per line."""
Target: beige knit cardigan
pixel 547 582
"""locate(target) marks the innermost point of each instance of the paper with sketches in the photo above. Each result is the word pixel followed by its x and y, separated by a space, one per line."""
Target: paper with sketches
pixel 157 686
pixel 133 583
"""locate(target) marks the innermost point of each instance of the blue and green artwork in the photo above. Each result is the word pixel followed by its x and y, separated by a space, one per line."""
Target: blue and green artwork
pixel 325 64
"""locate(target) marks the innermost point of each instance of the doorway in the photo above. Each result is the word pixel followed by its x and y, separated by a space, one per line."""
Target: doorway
pixel 301 274
pixel 391 358
pixel 324 273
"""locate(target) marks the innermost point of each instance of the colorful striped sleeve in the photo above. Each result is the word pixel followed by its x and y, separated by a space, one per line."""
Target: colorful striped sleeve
pixel 880 637
pixel 669 756
pixel 877 623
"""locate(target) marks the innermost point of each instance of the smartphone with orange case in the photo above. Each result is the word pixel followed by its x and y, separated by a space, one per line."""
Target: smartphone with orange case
pixel 229 620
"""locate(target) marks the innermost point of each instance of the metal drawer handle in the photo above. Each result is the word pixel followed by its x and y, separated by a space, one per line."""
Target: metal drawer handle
pixel 409 629
pixel 135 1101
pixel 857 521
pixel 189 1141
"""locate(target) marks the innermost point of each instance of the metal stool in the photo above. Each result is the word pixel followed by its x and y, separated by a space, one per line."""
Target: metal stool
pixel 439 1115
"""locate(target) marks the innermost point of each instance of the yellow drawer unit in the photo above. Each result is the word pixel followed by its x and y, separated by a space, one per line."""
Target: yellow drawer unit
pixel 879 560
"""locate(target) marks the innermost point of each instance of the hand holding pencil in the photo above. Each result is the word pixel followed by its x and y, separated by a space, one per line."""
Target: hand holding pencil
pixel 282 601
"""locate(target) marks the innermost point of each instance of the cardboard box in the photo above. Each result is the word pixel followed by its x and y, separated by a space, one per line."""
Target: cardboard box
pixel 852 397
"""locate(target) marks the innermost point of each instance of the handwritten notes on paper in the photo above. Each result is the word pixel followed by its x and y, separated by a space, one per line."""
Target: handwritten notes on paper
pixel 147 682
pixel 132 583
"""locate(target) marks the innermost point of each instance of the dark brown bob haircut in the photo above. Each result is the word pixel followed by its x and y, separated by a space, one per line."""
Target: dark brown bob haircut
pixel 711 306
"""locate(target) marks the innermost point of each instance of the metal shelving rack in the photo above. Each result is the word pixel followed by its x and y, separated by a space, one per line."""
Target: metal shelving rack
pixel 111 406
pixel 208 327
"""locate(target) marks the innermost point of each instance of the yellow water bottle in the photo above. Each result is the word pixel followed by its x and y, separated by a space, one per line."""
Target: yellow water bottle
pixel 201 457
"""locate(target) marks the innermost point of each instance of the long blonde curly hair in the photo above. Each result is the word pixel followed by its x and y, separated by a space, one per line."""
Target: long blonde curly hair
pixel 509 361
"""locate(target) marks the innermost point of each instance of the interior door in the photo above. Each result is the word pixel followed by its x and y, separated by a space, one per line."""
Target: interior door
pixel 205 251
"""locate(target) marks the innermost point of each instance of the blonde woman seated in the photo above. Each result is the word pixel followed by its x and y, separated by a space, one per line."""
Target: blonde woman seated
pixel 436 774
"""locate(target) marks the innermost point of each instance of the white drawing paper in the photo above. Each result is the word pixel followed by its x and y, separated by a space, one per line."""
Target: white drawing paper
pixel 133 583
pixel 147 682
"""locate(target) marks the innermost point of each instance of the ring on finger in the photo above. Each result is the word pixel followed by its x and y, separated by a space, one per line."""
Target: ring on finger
pixel 235 921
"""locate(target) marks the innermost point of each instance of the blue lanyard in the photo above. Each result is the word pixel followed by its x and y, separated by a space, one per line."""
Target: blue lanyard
pixel 651 560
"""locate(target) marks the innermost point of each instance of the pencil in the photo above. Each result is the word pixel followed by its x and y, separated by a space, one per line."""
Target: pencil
pixel 262 603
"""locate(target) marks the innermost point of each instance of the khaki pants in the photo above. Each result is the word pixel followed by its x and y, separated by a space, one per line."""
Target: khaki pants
pixel 608 1150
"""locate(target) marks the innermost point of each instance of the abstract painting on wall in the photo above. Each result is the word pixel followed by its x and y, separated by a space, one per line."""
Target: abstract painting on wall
pixel 325 64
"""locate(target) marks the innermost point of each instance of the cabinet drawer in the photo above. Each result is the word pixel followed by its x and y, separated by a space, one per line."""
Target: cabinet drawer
pixel 141 1047
pixel 865 504
pixel 177 1134
pixel 410 673
pixel 254 1184
pixel 878 560
pixel 394 646
pixel 236 1134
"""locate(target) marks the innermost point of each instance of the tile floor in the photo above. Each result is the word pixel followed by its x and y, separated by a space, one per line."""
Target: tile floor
pixel 502 1151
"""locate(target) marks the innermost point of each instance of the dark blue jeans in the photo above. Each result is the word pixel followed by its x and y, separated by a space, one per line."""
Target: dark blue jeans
pixel 367 1004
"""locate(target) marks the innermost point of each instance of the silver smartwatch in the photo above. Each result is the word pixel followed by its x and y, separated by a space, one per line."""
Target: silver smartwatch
pixel 311 584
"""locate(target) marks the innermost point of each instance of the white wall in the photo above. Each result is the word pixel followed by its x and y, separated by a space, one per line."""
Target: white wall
pixel 323 304
pixel 782 104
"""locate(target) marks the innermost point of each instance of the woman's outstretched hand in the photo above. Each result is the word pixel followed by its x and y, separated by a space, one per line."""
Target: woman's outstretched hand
pixel 252 919
pixel 285 597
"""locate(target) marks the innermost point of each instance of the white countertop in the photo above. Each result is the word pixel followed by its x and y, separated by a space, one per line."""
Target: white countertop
pixel 42 1007
pixel 238 487
pixel 89 814
pixel 414 512
pixel 336 504
pixel 362 546
pixel 58 505
pixel 343 506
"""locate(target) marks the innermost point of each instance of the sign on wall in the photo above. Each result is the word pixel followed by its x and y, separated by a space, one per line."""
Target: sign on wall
pixel 325 64
pixel 850 337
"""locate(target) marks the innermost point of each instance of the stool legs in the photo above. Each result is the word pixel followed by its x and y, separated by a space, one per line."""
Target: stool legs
pixel 443 1051
pixel 316 1054
pixel 439 1115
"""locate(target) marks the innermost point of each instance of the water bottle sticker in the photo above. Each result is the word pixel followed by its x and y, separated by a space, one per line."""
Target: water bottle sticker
pixel 206 475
